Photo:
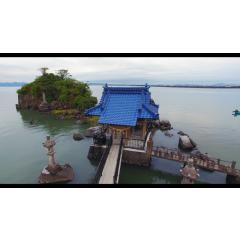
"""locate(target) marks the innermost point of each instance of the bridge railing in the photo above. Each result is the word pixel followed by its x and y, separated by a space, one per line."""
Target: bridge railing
pixel 102 162
pixel 148 134
pixel 133 143
pixel 117 170
pixel 201 159
pixel 136 143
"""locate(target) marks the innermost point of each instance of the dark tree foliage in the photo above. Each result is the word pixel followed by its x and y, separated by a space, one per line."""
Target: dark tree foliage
pixel 62 88
pixel 43 70
pixel 63 73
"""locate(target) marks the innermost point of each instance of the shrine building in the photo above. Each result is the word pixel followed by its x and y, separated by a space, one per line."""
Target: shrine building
pixel 126 111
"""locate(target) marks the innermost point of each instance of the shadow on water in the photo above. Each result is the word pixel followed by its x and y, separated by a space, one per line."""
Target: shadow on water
pixel 142 175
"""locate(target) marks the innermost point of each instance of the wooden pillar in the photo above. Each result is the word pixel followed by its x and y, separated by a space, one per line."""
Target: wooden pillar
pixel 149 146
pixel 127 134
pixel 144 129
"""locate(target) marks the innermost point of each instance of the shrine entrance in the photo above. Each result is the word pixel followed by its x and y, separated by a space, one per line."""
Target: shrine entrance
pixel 118 132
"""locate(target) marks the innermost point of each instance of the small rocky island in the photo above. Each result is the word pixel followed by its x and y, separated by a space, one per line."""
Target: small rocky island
pixel 56 93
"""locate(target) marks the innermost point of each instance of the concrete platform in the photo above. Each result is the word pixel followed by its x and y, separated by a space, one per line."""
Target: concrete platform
pixel 110 166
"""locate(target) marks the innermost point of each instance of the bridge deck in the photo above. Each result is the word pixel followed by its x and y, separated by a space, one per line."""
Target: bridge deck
pixel 210 164
pixel 110 166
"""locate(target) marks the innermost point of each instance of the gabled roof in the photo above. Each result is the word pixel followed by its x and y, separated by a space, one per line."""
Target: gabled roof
pixel 124 105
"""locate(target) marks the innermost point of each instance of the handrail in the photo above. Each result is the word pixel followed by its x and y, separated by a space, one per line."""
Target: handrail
pixel 133 143
pixel 102 163
pixel 146 136
pixel 115 177
pixel 198 156
pixel 149 131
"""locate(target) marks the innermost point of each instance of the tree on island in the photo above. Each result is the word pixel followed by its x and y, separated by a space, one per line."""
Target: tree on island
pixel 61 88
pixel 44 70
pixel 63 73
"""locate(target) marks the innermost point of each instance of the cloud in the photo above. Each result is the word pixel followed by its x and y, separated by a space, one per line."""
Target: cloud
pixel 152 70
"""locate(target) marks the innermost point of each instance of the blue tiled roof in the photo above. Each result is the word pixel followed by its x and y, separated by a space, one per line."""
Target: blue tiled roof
pixel 124 105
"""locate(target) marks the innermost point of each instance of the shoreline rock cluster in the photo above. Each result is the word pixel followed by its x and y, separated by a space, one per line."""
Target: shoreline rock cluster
pixel 64 173
pixel 89 133
pixel 185 142
pixel 163 125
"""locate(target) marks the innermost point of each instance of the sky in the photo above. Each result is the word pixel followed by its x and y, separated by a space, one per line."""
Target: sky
pixel 127 70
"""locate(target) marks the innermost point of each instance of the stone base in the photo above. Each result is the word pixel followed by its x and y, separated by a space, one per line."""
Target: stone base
pixel 186 143
pixel 95 152
pixel 63 173
pixel 139 158
pixel 18 107
pixel 232 180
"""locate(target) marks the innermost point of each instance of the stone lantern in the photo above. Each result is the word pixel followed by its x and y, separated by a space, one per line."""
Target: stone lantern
pixel 189 172
pixel 52 164
pixel 54 172
pixel 44 106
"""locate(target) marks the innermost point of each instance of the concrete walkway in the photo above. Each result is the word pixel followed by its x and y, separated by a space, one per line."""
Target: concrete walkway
pixel 110 166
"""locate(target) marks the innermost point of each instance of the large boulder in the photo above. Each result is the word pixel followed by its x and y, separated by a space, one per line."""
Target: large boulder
pixel 99 137
pixel 63 173
pixel 77 136
pixel 182 133
pixel 186 143
pixel 163 125
pixel 90 131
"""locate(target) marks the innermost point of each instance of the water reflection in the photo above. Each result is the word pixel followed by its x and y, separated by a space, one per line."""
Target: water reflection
pixel 141 175
pixel 203 114
pixel 47 122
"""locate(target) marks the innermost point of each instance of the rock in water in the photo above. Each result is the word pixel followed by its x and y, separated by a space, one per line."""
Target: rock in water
pixel 182 133
pixel 185 143
pixel 18 107
pixel 90 131
pixel 168 134
pixel 99 137
pixel 77 136
pixel 64 173
pixel 164 125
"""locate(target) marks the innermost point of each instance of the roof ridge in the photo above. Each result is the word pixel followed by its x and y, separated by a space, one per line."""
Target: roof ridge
pixel 124 106
pixel 107 97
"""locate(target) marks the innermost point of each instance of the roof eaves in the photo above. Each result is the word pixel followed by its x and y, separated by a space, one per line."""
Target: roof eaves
pixel 87 112
pixel 149 110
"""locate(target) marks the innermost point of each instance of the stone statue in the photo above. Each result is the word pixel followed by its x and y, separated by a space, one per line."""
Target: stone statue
pixel 189 172
pixel 54 172
pixel 49 144
pixel 44 97
pixel 44 106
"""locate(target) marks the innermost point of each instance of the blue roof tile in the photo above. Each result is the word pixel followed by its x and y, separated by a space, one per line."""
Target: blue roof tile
pixel 124 105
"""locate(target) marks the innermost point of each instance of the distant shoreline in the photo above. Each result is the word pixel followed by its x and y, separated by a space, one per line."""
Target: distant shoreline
pixel 20 84
pixel 12 84
pixel 170 86
pixel 176 86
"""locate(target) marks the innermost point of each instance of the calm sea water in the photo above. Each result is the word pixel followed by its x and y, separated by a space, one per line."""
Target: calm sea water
pixel 205 114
